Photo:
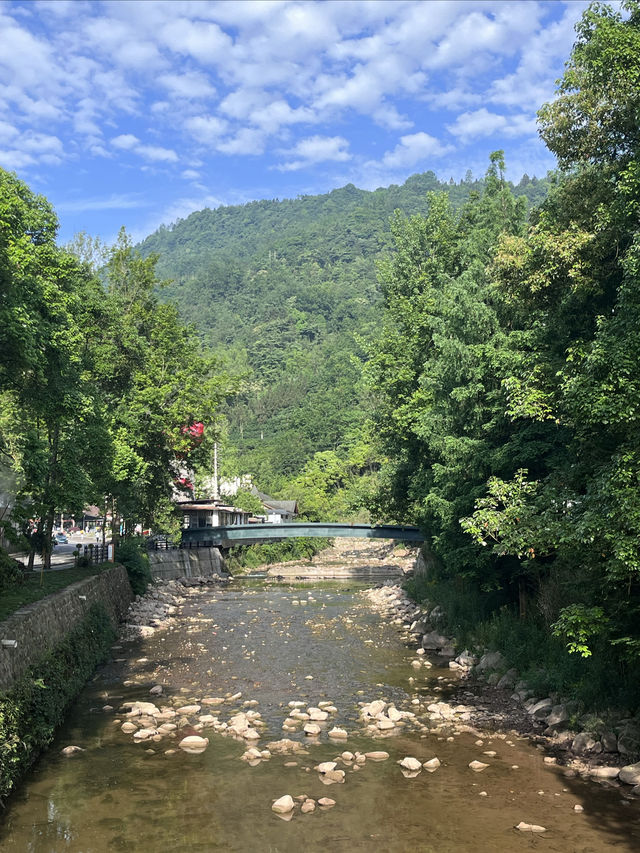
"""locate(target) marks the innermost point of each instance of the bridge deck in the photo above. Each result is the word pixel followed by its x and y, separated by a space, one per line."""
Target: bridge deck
pixel 253 534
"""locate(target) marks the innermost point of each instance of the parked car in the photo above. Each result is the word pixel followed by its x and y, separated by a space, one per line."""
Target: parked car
pixel 61 539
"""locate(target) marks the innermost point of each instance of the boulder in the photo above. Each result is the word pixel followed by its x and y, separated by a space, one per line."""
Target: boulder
pixel 558 717
pixel 490 660
pixel 338 733
pixel 541 709
pixel 630 774
pixel 478 766
pixel 327 802
pixel 508 680
pixel 308 806
pixel 377 756
pixel 431 765
pixel 433 641
pixel 194 744
pixel 583 742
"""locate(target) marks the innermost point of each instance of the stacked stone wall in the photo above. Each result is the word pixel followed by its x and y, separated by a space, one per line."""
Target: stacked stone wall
pixel 39 626
pixel 186 562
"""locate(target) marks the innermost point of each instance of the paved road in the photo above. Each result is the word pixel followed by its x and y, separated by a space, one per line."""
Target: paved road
pixel 62 556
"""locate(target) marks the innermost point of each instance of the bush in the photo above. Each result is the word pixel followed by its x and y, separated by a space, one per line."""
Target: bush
pixel 136 562
pixel 35 706
pixel 10 572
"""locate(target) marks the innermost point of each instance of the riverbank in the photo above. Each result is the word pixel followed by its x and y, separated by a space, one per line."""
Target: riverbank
pixel 301 696
pixel 490 696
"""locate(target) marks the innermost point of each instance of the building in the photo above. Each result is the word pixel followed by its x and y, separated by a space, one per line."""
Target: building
pixel 276 511
pixel 210 512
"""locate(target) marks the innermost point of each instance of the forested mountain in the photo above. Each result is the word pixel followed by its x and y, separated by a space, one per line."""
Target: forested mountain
pixel 286 292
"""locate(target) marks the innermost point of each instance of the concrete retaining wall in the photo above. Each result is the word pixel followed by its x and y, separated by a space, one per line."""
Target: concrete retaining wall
pixel 41 625
pixel 186 562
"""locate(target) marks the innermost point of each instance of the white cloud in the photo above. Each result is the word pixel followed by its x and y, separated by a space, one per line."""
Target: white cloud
pixel 188 84
pixel 113 202
pixel 207 129
pixel 480 123
pixel 316 149
pixel 190 174
pixel 246 141
pixel 414 148
pixel 126 141
pixel 129 142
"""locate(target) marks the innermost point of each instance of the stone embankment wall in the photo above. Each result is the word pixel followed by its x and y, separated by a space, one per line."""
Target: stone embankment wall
pixel 186 562
pixel 39 626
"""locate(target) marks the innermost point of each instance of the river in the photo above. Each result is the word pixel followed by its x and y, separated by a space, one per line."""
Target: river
pixel 316 645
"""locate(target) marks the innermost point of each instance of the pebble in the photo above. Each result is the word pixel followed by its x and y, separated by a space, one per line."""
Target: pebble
pixel 478 766
pixel 530 827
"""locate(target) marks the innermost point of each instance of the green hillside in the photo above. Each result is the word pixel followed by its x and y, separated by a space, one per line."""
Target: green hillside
pixel 286 292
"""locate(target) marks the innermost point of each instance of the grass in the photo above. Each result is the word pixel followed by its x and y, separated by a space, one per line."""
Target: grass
pixel 33 590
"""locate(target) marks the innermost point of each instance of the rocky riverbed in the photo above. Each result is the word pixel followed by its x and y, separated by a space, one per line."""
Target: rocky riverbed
pixel 255 717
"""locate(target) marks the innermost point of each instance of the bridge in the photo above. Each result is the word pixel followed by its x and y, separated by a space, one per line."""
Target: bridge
pixel 257 534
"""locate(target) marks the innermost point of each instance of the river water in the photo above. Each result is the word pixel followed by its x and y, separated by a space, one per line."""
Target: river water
pixel 275 645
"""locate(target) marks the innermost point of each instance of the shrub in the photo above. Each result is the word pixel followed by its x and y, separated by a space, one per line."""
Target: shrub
pixel 136 562
pixel 35 706
pixel 10 571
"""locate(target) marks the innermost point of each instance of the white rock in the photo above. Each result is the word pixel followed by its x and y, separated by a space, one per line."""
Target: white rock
pixel 129 728
pixel 377 756
pixel 284 805
pixel 194 744
pixel 338 734
pixel 384 723
pixel 325 765
pixel 71 750
pixel 478 766
pixel 410 763
pixel 327 802
pixel 630 774
pixel 431 765
pixel 530 827
pixel 308 806
pixel 156 690
pixel 317 714
pixel 312 729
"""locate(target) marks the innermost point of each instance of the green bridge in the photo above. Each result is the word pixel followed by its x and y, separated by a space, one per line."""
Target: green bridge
pixel 255 534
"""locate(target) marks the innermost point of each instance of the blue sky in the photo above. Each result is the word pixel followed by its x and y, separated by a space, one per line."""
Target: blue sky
pixel 137 113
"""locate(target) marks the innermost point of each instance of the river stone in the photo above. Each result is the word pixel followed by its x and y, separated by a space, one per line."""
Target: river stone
pixel 583 742
pixel 393 714
pixel 478 766
pixel 71 750
pixel 308 806
pixel 508 680
pixel 213 700
pixel 490 660
pixel 327 802
pixel 312 729
pixel 284 805
pixel 378 755
pixel 630 774
pixel 629 740
pixel 373 709
pixel 434 641
pixel 251 734
pixel 384 723
pixel 558 716
pixel 251 754
pixel 140 709
pixel 431 765
pixel 317 715
pixel 604 772
pixel 541 709
pixel 609 742
pixel 324 766
pixel 347 756
pixel 530 827
pixel 156 690
pixel 194 744
pixel 129 728
pixel 410 763
pixel 332 776
pixel 338 733
pixel 188 709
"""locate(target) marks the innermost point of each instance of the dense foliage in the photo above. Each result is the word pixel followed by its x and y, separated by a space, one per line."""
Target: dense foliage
pixel 35 706
pixel 508 378
pixel 99 381
pixel 287 295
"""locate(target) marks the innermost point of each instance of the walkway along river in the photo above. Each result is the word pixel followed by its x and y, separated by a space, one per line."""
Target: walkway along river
pixel 248 667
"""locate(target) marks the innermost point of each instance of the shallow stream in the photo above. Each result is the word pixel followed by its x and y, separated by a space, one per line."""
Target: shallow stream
pixel 275 645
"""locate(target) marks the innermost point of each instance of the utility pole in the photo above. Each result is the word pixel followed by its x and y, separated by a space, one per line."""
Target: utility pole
pixel 216 492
